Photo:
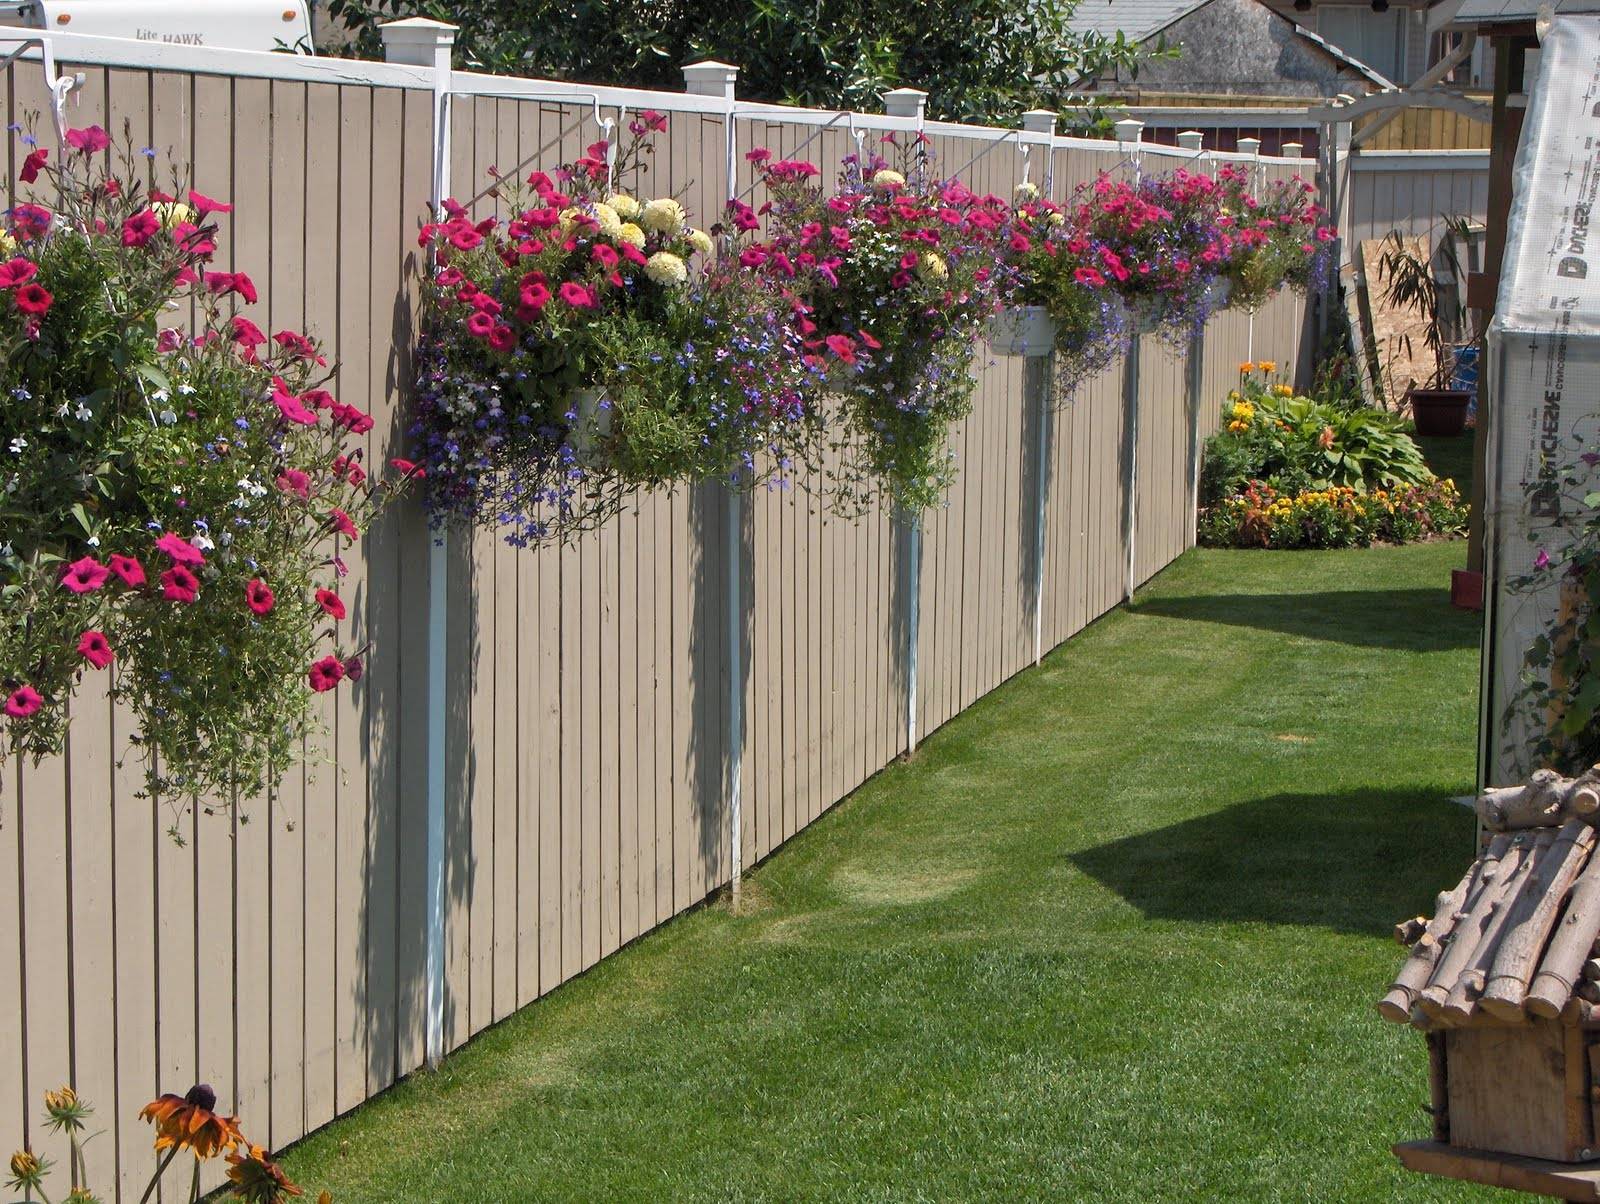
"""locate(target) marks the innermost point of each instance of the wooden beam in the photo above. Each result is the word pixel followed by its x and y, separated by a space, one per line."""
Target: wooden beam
pixel 1563 1180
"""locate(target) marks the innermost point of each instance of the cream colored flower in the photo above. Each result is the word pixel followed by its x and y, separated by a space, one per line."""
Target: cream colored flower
pixel 700 241
pixel 8 245
pixel 663 215
pixel 631 234
pixel 173 213
pixel 610 222
pixel 627 208
pixel 933 267
pixel 1027 190
pixel 888 179
pixel 665 268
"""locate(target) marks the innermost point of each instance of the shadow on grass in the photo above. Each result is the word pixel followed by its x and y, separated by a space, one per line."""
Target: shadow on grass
pixel 1355 862
pixel 1417 620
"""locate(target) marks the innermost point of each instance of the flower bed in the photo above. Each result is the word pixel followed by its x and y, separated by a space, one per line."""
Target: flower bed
pixel 174 501
pixel 1334 517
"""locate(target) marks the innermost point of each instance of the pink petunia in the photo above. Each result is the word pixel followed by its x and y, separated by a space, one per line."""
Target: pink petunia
pixel 223 283
pixel 258 596
pixel 502 338
pixel 343 524
pixel 293 409
pixel 325 674
pixel 95 648
pixel 178 584
pixel 180 550
pixel 84 576
pixel 34 299
pixel 90 140
pixel 480 325
pixel 406 468
pixel 577 296
pixel 843 346
pixel 353 668
pixel 23 701
pixel 292 480
pixel 32 164
pixel 17 271
pixel 129 570
pixel 331 603
pixel 204 205
pixel 247 334
pixel 139 228
pixel 605 255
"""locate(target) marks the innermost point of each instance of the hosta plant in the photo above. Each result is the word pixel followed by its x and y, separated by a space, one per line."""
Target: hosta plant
pixel 588 345
pixel 891 276
pixel 174 499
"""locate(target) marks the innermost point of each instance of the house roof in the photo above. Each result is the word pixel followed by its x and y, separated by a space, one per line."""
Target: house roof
pixel 1511 940
pixel 1499 12
pixel 1141 20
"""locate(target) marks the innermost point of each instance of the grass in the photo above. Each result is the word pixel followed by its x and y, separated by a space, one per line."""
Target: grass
pixel 1449 457
pixel 1114 934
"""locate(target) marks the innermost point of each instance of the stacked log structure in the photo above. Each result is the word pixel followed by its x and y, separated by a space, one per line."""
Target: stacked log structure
pixel 1515 939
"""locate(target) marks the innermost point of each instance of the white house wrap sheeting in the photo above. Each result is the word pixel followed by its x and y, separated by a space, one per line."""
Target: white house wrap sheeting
pixel 1544 362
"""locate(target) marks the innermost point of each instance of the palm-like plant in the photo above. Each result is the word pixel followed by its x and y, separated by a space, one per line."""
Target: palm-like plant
pixel 1410 284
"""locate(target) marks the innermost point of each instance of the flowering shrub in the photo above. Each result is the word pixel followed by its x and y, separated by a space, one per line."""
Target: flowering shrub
pixel 891 278
pixel 172 504
pixel 1064 270
pixel 587 347
pixel 1277 239
pixel 1335 517
pixel 1295 443
pixel 188 1122
pixel 1161 244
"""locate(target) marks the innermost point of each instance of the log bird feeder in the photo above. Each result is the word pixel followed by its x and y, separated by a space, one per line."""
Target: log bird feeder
pixel 1504 980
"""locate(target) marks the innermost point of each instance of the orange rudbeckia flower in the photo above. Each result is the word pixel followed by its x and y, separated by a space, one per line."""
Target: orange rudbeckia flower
pixel 257 1178
pixel 191 1122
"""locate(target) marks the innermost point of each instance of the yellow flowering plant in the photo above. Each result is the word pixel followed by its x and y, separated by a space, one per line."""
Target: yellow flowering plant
pixel 1338 516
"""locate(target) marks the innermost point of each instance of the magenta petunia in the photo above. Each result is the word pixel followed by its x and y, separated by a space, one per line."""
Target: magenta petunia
pixel 139 228
pixel 258 596
pixel 331 603
pixel 34 299
pixel 293 409
pixel 353 668
pixel 95 648
pixel 180 550
pixel 85 576
pixel 292 480
pixel 23 701
pixel 90 140
pixel 32 164
pixel 343 524
pixel 17 271
pixel 178 584
pixel 224 283
pixel 325 674
pixel 129 570
pixel 575 295
pixel 203 204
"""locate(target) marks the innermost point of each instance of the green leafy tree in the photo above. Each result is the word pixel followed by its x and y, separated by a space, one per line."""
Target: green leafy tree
pixel 979 60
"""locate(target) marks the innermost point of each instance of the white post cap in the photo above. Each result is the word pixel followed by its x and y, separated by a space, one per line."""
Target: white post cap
pixel 1294 150
pixel 1191 140
pixel 710 78
pixel 1039 121
pixel 905 102
pixel 418 42
pixel 1130 129
pixel 1249 146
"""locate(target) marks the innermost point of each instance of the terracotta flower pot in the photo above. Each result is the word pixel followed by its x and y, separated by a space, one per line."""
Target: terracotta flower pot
pixel 1439 411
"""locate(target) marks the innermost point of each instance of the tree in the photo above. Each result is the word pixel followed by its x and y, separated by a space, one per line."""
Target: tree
pixel 978 60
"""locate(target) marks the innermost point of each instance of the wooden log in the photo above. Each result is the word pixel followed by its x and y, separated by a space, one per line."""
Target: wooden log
pixel 1463 998
pixel 1533 805
pixel 1498 865
pixel 1532 918
pixel 1589 992
pixel 1591 970
pixel 1408 932
pixel 1426 949
pixel 1569 947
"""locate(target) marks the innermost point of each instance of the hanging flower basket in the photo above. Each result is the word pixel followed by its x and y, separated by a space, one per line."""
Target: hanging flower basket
pixel 591 424
pixel 1026 330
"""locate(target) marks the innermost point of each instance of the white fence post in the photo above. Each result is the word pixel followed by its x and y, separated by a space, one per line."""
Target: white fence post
pixel 420 42
pixel 911 102
pixel 1038 372
pixel 711 78
pixel 1129 132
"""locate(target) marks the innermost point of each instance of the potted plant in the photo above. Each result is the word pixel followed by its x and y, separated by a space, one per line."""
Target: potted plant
pixel 1438 407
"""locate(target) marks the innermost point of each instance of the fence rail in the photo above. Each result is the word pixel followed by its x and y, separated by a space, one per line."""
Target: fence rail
pixel 280 952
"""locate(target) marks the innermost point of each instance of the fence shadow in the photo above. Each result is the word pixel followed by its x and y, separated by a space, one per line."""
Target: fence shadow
pixel 1416 620
pixel 1352 862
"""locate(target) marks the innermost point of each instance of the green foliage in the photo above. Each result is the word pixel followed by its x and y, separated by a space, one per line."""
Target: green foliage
pixel 1336 516
pixel 984 61
pixel 1295 443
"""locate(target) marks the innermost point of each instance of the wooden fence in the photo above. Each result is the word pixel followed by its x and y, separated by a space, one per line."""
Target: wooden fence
pixel 279 950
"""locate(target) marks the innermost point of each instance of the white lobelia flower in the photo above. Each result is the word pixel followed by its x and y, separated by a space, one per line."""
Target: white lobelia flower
pixel 168 417
pixel 203 542
pixel 83 412
pixel 6 549
pixel 186 389
pixel 18 445
pixel 93 541
pixel 160 395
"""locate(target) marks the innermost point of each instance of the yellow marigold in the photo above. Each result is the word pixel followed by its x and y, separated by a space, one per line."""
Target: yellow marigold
pixel 663 215
pixel 8 245
pixel 1268 366
pixel 667 269
pixel 1027 190
pixel 631 234
pixel 933 267
pixel 610 222
pixel 1283 390
pixel 700 241
pixel 627 208
pixel 887 179
pixel 1234 395
pixel 173 213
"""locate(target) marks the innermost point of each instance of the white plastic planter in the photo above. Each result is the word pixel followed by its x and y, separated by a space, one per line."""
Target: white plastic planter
pixel 1024 330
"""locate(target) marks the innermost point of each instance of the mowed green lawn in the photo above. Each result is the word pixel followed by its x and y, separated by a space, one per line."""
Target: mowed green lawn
pixel 1114 934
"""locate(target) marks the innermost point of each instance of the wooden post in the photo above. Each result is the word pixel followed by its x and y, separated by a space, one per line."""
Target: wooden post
pixel 1439 1087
